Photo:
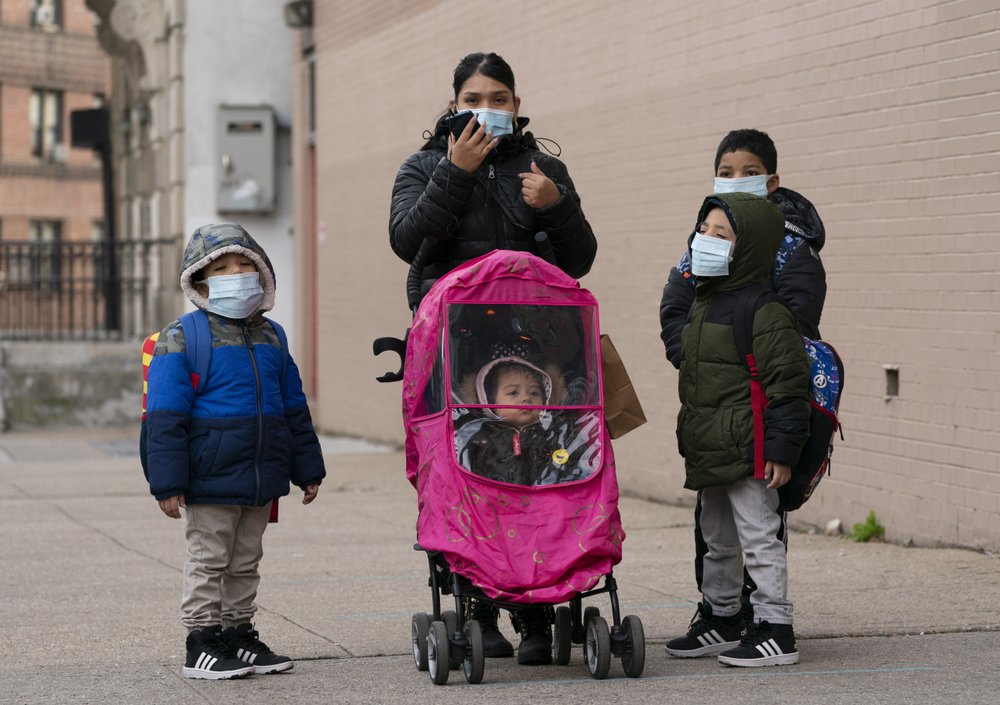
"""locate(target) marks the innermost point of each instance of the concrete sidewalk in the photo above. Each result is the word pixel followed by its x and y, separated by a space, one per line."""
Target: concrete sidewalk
pixel 91 572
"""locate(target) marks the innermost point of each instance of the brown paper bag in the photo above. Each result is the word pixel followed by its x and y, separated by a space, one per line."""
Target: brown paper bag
pixel 622 410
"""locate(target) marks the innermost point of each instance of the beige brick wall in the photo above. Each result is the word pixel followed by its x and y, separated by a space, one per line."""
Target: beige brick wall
pixel 885 115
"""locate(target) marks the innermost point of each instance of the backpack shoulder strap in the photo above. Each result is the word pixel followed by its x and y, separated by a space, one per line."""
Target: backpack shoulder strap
pixel 283 341
pixel 197 345
pixel 788 245
pixel 748 300
pixel 148 349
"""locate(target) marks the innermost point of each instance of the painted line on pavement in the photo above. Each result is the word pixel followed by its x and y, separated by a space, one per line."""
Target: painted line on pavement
pixel 735 673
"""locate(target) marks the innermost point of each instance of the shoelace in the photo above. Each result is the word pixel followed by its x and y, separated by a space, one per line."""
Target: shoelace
pixel 756 633
pixel 700 617
pixel 251 641
pixel 218 647
pixel 534 622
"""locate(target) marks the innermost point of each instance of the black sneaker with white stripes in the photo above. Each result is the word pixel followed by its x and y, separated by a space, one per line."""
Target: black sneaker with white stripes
pixel 707 634
pixel 765 644
pixel 210 657
pixel 245 642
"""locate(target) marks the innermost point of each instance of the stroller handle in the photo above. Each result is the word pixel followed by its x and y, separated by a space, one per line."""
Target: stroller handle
pixel 416 272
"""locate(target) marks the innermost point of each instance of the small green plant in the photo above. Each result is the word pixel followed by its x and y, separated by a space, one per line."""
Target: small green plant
pixel 871 529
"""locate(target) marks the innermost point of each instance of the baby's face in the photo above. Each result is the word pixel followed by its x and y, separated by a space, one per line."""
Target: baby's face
pixel 519 386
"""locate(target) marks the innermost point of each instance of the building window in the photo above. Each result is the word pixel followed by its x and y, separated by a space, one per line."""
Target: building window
pixel 47 14
pixel 46 237
pixel 45 114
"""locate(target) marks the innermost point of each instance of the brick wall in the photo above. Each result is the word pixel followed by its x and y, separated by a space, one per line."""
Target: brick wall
pixel 76 18
pixel 884 113
pixel 69 61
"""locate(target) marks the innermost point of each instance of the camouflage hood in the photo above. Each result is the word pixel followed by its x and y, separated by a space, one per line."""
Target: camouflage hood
pixel 209 242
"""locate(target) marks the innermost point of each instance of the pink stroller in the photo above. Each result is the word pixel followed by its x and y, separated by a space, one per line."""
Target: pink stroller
pixel 518 499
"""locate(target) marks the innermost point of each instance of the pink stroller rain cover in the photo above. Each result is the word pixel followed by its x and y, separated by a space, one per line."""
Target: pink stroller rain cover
pixel 532 519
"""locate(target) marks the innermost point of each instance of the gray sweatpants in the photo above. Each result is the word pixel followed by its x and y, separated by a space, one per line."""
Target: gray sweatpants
pixel 740 520
pixel 224 548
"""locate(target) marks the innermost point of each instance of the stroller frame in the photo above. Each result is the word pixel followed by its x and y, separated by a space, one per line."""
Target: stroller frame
pixel 446 640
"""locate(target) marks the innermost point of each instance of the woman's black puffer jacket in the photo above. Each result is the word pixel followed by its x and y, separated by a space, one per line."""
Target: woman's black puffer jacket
pixel 470 214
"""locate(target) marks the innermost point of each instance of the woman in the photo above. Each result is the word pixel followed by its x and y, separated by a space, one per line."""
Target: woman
pixel 488 189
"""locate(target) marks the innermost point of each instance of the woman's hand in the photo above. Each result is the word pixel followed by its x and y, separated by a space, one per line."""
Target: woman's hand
pixel 538 190
pixel 171 506
pixel 471 147
pixel 310 493
pixel 777 473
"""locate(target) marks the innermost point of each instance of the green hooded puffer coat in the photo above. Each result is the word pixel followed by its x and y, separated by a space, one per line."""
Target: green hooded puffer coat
pixel 715 424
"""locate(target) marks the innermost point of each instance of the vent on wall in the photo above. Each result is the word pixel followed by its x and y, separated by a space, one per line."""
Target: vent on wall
pixel 891 382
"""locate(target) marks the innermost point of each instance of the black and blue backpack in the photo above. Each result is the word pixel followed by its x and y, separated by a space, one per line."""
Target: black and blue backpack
pixel 826 385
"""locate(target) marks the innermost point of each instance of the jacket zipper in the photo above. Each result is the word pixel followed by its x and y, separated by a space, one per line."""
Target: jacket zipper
pixel 260 413
pixel 500 232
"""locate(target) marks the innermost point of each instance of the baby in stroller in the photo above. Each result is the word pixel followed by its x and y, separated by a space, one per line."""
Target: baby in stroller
pixel 523 445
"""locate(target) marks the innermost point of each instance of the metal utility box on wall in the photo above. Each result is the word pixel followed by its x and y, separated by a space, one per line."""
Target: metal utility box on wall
pixel 245 140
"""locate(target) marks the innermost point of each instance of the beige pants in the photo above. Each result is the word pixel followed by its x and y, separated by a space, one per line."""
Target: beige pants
pixel 224 548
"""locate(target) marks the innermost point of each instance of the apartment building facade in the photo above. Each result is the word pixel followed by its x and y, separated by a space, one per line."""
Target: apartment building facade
pixel 50 192
pixel 884 113
pixel 188 76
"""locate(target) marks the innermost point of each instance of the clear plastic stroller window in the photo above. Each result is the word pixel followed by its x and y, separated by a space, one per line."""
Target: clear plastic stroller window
pixel 524 391
pixel 432 399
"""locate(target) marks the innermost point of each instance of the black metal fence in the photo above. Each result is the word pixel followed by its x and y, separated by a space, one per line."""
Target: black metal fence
pixel 77 290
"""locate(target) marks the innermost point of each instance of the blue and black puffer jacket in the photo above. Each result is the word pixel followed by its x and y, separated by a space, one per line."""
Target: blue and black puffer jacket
pixel 245 435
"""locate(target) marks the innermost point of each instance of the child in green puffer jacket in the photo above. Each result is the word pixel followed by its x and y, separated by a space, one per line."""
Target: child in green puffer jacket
pixel 738 236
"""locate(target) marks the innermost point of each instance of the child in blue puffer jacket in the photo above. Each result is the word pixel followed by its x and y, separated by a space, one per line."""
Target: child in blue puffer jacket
pixel 226 451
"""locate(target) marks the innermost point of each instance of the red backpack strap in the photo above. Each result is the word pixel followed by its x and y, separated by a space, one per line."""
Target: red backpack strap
pixel 747 302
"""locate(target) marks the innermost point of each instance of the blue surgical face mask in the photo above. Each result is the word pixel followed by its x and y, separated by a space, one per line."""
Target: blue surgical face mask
pixel 497 122
pixel 234 295
pixel 757 185
pixel 710 256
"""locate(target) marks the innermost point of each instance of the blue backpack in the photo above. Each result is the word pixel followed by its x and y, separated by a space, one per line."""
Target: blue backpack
pixel 826 385
pixel 198 346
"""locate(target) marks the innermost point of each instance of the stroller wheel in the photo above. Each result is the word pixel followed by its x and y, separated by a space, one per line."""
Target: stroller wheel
pixel 588 612
pixel 437 653
pixel 419 627
pixel 634 654
pixel 450 619
pixel 597 647
pixel 475 655
pixel 562 641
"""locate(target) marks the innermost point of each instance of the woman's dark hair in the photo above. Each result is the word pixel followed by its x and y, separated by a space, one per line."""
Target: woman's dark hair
pixel 490 65
pixel 754 141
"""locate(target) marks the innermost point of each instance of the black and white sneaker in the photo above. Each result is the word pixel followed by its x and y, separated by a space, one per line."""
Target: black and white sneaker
pixel 210 657
pixel 707 634
pixel 245 641
pixel 765 644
